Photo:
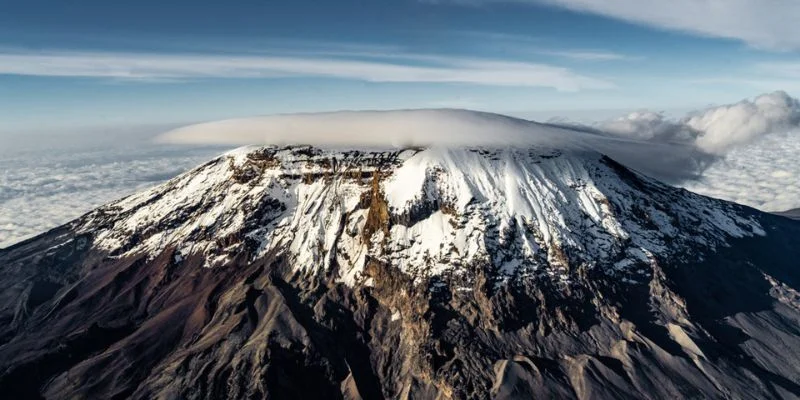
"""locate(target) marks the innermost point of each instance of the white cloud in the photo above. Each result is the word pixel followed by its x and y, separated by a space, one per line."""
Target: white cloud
pixel 369 128
pixel 723 128
pixel 42 189
pixel 668 161
pixel 755 147
pixel 647 125
pixel 156 66
pixel 760 23
pixel 527 45
pixel 764 174
pixel 715 130
pixel 588 55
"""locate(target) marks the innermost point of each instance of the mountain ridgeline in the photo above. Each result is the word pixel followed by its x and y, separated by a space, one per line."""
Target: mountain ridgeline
pixel 793 214
pixel 421 273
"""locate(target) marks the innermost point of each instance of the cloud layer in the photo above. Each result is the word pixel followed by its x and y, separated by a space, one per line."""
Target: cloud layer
pixel 764 174
pixel 40 190
pixel 375 68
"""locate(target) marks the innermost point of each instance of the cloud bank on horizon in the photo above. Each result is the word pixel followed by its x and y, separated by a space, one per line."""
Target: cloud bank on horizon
pixel 40 190
pixel 715 130
pixel 764 174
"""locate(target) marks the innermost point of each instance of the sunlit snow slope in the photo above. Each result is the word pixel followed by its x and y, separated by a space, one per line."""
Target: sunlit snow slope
pixel 427 212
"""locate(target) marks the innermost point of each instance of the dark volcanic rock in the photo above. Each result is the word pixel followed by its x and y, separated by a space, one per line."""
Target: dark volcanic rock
pixel 299 273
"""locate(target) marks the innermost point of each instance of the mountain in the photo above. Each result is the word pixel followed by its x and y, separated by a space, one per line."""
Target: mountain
pixel 300 272
pixel 793 214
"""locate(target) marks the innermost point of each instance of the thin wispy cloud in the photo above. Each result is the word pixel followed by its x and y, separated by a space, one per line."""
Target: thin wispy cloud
pixel 589 55
pixel 768 24
pixel 155 66
pixel 531 45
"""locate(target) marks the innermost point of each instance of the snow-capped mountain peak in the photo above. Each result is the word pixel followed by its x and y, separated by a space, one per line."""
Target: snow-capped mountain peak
pixel 437 212
pixel 456 272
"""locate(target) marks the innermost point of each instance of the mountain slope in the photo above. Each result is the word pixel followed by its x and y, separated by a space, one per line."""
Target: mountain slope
pixel 416 273
pixel 793 214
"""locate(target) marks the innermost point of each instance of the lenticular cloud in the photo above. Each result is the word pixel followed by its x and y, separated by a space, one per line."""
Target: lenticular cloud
pixel 673 150
pixel 386 129
pixel 714 131
pixel 369 129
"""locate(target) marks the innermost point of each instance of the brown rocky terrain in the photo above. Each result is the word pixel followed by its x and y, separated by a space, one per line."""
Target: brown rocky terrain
pixel 309 285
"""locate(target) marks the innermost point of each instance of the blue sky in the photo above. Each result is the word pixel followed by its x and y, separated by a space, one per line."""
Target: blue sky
pixel 81 64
